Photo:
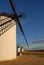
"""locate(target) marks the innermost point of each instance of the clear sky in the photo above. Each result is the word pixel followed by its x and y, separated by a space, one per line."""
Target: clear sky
pixel 33 23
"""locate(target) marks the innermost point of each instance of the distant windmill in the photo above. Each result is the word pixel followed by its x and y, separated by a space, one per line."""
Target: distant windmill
pixel 8 39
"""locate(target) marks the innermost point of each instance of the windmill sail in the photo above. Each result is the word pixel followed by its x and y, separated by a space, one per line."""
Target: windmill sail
pixel 17 20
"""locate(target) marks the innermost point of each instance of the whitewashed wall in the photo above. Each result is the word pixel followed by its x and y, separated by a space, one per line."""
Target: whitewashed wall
pixel 8 44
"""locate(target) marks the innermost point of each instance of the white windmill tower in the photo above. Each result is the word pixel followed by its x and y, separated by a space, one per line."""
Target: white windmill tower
pixel 8 34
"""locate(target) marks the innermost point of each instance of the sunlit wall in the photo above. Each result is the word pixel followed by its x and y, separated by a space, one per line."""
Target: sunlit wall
pixel 8 44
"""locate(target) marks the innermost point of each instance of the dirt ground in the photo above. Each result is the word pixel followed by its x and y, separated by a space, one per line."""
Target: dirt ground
pixel 25 60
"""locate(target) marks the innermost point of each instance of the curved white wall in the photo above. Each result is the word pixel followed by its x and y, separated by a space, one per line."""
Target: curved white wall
pixel 8 44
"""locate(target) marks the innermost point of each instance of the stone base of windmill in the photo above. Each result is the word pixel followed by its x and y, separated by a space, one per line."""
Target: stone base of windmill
pixel 8 45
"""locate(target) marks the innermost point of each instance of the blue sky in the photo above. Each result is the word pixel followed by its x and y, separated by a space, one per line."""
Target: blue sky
pixel 33 23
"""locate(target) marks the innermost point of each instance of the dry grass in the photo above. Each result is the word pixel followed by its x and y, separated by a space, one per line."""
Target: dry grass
pixel 25 59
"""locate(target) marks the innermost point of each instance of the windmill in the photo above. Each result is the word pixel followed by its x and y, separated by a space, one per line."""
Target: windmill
pixel 6 23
